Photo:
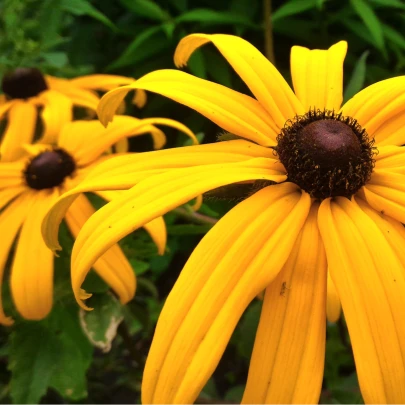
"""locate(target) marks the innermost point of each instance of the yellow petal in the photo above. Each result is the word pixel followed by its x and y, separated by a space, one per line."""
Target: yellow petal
pixel 232 111
pixel 122 146
pixel 370 280
pixel 56 113
pixel 380 109
pixel 20 129
pixel 11 220
pixel 385 192
pixel 80 97
pixel 393 231
pixel 9 193
pixel 32 269
pixel 148 200
pixel 235 261
pixel 157 231
pixel 113 267
pixel 262 78
pixel 318 76
pixel 5 105
pixel 11 174
pixel 125 171
pixel 333 305
pixel 87 140
pixel 390 158
pixel 100 82
pixel 289 351
pixel 156 228
pixel 139 98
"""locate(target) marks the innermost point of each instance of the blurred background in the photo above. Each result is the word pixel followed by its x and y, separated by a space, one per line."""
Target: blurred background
pixel 68 358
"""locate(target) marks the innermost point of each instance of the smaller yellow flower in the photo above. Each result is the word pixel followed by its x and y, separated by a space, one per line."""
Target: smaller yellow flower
pixel 27 89
pixel 30 185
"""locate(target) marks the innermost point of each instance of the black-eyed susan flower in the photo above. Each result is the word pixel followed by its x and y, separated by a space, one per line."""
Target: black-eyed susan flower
pixel 30 185
pixel 26 90
pixel 334 202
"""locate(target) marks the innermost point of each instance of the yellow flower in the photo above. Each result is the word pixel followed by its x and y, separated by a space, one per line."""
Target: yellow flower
pixel 26 89
pixel 30 185
pixel 338 205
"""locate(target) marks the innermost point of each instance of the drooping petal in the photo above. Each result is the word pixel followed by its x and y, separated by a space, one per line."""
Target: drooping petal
pixel 385 192
pixel 9 193
pixel 235 112
pixel 318 76
pixel 262 78
pixel 108 82
pixel 370 280
pixel 146 201
pixel 87 140
pixel 32 269
pixel 11 174
pixel 126 170
pixel 5 105
pixel 113 267
pixel 156 228
pixel 56 113
pixel 235 261
pixel 100 82
pixel 380 109
pixel 80 97
pixel 22 118
pixel 391 158
pixel 11 220
pixel 288 355
pixel 393 231
pixel 333 305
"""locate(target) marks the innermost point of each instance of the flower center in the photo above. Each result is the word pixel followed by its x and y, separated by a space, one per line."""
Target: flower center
pixel 49 169
pixel 23 83
pixel 326 154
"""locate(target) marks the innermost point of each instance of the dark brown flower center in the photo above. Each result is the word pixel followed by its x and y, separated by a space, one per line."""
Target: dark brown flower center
pixel 23 83
pixel 326 154
pixel 49 169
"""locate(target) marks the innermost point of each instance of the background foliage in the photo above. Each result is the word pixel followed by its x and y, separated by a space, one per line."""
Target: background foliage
pixel 94 357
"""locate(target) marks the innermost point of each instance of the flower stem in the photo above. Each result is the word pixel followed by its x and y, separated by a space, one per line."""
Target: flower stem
pixel 268 32
pixel 195 216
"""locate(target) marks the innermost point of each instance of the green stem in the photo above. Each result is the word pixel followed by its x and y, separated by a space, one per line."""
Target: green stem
pixel 195 216
pixel 268 32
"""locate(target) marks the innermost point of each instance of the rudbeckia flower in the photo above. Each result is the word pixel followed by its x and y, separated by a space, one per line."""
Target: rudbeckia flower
pixel 30 185
pixel 26 89
pixel 334 201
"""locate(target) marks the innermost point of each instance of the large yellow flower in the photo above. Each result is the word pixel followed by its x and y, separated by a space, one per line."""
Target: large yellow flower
pixel 30 185
pixel 339 205
pixel 26 89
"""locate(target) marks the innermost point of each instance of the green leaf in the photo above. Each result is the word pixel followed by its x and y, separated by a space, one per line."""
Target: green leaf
pixel 181 5
pixel 218 68
pixel 100 325
pixel 127 57
pixel 246 332
pixel 370 20
pixel 389 3
pixel 32 357
pixel 83 7
pixel 196 64
pixel 393 36
pixel 358 77
pixel 292 8
pixel 146 8
pixel 74 353
pixel 139 266
pixel 208 16
pixel 55 59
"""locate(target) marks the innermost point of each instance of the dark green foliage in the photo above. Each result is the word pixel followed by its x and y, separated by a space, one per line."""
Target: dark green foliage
pixel 54 359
